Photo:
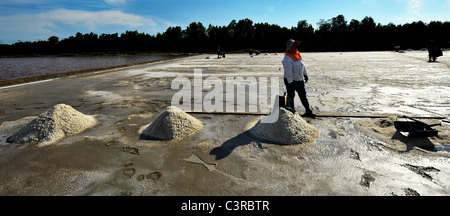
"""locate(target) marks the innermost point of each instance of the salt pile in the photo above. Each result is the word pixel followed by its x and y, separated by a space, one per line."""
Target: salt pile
pixel 289 129
pixel 52 125
pixel 172 123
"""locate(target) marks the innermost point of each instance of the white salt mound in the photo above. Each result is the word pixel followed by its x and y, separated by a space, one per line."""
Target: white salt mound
pixel 52 125
pixel 172 124
pixel 290 129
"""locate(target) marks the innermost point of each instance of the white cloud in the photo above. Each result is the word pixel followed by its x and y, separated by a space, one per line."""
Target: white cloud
pixel 425 10
pixel 413 10
pixel 270 9
pixel 57 22
pixel 414 6
pixel 92 20
pixel 116 2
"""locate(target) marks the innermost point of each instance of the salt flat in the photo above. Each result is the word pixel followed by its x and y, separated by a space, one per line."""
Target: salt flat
pixel 351 156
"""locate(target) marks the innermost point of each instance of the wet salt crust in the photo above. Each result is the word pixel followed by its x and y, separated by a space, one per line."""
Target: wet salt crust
pixel 290 129
pixel 54 124
pixel 384 130
pixel 172 124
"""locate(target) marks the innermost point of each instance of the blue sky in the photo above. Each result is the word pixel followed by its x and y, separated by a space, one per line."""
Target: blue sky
pixel 31 20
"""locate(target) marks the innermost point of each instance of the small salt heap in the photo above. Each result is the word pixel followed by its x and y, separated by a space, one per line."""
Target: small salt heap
pixel 172 124
pixel 289 129
pixel 54 124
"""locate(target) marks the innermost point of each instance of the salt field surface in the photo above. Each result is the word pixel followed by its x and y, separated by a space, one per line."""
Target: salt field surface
pixel 359 155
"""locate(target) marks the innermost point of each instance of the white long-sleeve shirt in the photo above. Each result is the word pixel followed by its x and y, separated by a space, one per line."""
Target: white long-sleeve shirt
pixel 293 70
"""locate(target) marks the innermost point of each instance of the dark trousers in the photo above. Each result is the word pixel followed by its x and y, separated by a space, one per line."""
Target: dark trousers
pixel 298 86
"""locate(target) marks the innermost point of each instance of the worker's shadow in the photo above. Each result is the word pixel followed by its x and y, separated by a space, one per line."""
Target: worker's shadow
pixel 228 146
pixel 411 142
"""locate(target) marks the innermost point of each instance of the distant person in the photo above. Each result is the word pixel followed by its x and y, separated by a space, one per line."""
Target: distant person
pixel 295 77
pixel 220 53
pixel 434 51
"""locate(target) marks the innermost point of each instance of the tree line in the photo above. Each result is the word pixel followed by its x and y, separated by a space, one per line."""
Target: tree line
pixel 335 34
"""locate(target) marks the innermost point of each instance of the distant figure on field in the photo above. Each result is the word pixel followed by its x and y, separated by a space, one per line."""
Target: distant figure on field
pixel 295 77
pixel 220 53
pixel 434 51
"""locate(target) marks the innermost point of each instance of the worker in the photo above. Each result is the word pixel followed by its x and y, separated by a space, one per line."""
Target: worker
pixel 434 51
pixel 220 53
pixel 295 77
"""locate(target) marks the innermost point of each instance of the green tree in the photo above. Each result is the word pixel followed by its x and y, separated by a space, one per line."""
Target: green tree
pixel 339 24
pixel 195 32
pixel 194 35
pixel 53 40
pixel 172 38
pixel 305 33
pixel 244 30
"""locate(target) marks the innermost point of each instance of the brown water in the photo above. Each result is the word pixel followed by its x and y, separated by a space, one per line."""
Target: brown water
pixel 15 68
